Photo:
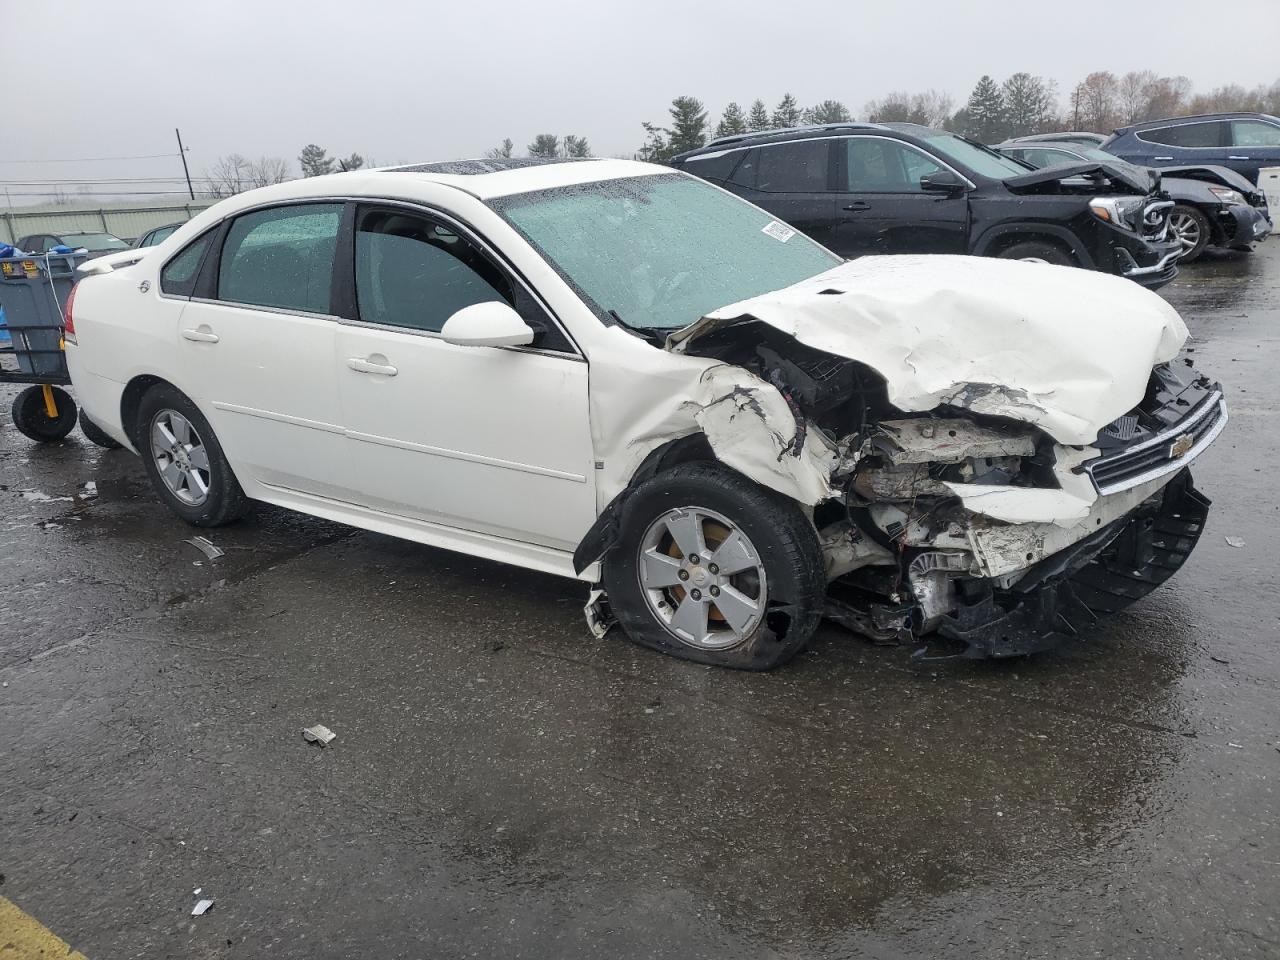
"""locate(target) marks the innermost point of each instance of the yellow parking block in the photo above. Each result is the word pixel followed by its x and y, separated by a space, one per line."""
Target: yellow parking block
pixel 23 937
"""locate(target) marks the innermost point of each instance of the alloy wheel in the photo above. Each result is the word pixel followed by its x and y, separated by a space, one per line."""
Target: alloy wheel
pixel 1185 230
pixel 180 457
pixel 702 578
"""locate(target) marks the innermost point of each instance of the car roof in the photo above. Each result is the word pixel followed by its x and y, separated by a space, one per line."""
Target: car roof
pixel 1046 144
pixel 780 135
pixel 1236 115
pixel 488 178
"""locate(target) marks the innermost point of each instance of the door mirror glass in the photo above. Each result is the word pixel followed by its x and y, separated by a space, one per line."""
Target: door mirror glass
pixel 492 324
pixel 942 181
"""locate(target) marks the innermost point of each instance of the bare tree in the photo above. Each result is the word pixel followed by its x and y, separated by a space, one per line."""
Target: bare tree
pixel 932 108
pixel 268 170
pixel 228 176
pixel 1095 102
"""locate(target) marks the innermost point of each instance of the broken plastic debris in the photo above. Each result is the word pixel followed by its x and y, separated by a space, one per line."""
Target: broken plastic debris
pixel 196 891
pixel 1235 541
pixel 201 908
pixel 318 733
pixel 90 490
pixel 207 547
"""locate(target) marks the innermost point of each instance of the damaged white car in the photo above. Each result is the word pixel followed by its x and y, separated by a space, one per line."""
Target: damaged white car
pixel 608 370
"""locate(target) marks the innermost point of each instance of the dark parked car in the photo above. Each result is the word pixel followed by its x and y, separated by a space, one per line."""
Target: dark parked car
pixel 1080 138
pixel 904 188
pixel 1212 205
pixel 1245 142
pixel 98 244
pixel 152 237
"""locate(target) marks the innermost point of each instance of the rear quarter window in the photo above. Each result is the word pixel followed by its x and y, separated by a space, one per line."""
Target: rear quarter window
pixel 178 276
pixel 714 166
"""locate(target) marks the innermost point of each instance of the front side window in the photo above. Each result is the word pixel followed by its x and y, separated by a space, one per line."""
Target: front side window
pixel 876 165
pixel 1254 133
pixel 158 236
pixel 1208 134
pixel 178 276
pixel 796 167
pixel 661 251
pixel 416 273
pixel 282 257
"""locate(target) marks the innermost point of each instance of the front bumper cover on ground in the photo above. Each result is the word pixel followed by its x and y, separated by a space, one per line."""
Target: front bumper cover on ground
pixel 1070 590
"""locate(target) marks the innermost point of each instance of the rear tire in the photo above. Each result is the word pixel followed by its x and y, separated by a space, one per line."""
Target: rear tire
pixel 184 460
pixel 1038 250
pixel 33 420
pixel 1190 228
pixel 770 579
pixel 95 434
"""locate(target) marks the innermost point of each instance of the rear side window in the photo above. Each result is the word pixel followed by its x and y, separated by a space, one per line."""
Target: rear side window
pixel 281 257
pixel 1208 134
pixel 416 273
pixel 178 276
pixel 797 167
pixel 1254 133
pixel 716 166
pixel 1042 157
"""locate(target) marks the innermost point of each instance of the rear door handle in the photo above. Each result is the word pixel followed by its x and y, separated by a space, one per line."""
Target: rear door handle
pixel 361 365
pixel 857 205
pixel 201 335
pixel 1237 158
pixel 1162 158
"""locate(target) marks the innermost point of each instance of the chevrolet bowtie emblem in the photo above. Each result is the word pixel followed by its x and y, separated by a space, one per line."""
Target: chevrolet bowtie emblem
pixel 1181 446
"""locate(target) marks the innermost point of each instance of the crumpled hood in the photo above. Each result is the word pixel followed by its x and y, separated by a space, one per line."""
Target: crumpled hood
pixel 1139 179
pixel 1066 349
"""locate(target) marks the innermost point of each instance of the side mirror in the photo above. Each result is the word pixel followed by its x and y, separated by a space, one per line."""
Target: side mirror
pixel 944 181
pixel 492 324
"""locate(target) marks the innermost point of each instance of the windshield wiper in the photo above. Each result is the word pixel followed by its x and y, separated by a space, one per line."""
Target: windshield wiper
pixel 655 335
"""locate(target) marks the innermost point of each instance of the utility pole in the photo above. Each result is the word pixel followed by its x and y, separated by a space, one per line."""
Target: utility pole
pixel 183 154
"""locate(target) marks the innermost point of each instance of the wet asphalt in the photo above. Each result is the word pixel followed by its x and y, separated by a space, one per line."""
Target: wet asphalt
pixel 504 785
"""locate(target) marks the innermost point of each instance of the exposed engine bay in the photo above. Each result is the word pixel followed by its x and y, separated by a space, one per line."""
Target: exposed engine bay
pixel 998 459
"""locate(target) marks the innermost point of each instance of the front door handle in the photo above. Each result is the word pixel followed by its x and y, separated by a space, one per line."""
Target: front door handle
pixel 200 335
pixel 1162 158
pixel 1237 158
pixel 857 205
pixel 363 365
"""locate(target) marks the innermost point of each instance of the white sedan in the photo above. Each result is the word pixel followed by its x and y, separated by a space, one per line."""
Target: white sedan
pixel 613 371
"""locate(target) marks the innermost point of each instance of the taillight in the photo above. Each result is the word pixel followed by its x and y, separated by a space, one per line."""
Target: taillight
pixel 68 321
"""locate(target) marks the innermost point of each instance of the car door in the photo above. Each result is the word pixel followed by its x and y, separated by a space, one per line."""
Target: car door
pixel 793 181
pixel 1255 144
pixel 883 208
pixel 256 344
pixel 494 440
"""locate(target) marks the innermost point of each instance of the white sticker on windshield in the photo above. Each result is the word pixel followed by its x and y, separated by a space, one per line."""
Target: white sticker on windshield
pixel 778 231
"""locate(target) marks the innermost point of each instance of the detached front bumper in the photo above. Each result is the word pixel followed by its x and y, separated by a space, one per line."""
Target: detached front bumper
pixel 1243 226
pixel 1069 591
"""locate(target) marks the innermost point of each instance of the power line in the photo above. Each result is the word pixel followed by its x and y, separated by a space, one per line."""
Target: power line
pixel 87 180
pixel 144 156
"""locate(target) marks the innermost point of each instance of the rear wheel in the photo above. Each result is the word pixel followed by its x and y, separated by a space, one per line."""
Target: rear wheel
pixel 714 568
pixel 1038 250
pixel 185 461
pixel 31 414
pixel 1190 228
pixel 95 434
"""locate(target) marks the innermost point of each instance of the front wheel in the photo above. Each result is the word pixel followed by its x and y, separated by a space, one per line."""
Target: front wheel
pixel 32 417
pixel 1190 228
pixel 185 461
pixel 1038 250
pixel 714 568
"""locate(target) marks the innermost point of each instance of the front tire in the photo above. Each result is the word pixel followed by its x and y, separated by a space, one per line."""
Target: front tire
pixel 1190 228
pixel 1038 250
pixel 31 416
pixel 185 461
pixel 713 568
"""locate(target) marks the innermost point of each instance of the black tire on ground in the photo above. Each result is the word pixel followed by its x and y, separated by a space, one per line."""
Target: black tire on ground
pixel 225 502
pixel 1038 250
pixel 95 434
pixel 1194 226
pixel 33 420
pixel 783 537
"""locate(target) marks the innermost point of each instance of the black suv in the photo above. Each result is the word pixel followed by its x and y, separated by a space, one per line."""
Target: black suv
pixel 905 188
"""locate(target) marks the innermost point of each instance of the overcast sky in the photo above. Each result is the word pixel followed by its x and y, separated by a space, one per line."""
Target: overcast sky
pixel 402 81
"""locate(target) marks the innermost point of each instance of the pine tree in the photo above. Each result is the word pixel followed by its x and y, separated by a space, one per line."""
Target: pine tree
pixel 787 113
pixel 688 130
pixel 575 147
pixel 353 162
pixel 758 119
pixel 545 145
pixel 986 115
pixel 655 148
pixel 733 122
pixel 314 161
pixel 1029 104
pixel 828 111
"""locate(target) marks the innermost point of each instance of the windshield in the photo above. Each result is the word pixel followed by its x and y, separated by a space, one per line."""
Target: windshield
pixel 976 157
pixel 660 252
pixel 94 241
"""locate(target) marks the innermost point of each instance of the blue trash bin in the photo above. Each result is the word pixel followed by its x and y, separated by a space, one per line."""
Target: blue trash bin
pixel 32 293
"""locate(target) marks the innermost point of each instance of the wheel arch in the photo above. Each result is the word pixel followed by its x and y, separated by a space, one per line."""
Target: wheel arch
pixel 131 401
pixel 1005 235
